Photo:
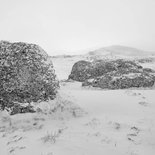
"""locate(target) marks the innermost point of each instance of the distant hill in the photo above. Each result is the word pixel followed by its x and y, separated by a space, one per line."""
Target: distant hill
pixel 111 52
pixel 120 51
pixel 63 56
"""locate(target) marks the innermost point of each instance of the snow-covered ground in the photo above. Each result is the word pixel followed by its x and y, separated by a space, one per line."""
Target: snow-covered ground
pixel 92 122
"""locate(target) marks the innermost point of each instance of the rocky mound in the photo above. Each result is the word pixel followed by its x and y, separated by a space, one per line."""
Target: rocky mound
pixel 115 81
pixel 26 74
pixel 83 70
pixel 112 74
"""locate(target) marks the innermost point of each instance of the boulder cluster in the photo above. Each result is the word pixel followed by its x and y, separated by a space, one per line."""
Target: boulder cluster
pixel 26 75
pixel 112 74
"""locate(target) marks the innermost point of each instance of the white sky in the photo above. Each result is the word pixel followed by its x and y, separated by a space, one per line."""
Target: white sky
pixel 73 25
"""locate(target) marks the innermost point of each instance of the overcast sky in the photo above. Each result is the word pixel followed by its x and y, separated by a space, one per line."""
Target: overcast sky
pixel 60 26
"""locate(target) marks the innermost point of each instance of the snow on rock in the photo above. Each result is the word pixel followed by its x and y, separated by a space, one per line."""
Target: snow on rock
pixel 112 81
pixel 26 75
pixel 112 74
pixel 83 70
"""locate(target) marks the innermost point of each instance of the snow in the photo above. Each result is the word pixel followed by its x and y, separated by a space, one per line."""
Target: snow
pixel 94 122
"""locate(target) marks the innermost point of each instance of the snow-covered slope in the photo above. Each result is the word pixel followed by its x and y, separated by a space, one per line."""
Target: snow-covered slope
pixel 117 122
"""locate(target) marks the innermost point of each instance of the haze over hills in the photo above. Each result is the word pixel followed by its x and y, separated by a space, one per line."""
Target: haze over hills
pixel 114 51
pixel 119 50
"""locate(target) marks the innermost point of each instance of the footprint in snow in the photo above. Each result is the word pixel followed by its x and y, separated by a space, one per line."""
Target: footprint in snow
pixel 13 149
pixel 143 103
pixel 134 133
pixel 15 139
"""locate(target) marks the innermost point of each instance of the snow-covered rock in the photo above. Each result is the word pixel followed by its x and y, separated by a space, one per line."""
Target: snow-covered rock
pixel 83 70
pixel 26 74
pixel 114 81
pixel 104 72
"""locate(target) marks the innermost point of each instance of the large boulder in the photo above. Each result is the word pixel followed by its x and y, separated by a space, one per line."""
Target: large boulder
pixel 26 74
pixel 112 74
pixel 83 70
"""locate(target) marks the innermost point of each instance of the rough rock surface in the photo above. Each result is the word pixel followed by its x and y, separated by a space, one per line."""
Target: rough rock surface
pixel 26 74
pixel 115 81
pixel 83 70
pixel 112 74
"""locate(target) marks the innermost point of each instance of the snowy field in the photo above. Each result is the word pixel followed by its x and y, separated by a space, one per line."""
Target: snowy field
pixel 88 122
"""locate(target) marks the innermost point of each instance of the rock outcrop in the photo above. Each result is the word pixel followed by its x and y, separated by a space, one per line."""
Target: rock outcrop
pixel 83 70
pixel 112 74
pixel 26 74
pixel 115 81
